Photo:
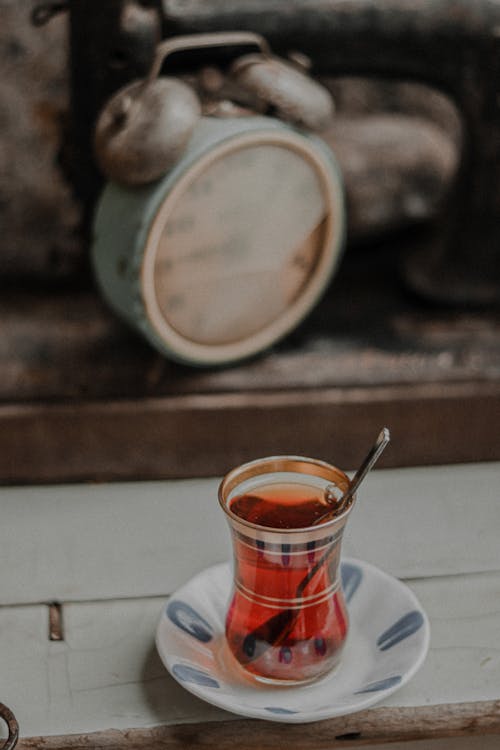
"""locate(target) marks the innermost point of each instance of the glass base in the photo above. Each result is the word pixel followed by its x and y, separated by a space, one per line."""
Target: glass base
pixel 289 683
pixel 257 679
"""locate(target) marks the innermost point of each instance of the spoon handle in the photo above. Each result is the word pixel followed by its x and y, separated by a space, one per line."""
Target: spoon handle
pixel 274 630
pixel 341 503
pixel 373 456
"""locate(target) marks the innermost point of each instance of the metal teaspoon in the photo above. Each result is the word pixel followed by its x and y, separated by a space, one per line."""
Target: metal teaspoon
pixel 274 630
pixel 340 503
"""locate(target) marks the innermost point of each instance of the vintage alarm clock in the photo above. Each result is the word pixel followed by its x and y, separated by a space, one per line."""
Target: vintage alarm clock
pixel 217 234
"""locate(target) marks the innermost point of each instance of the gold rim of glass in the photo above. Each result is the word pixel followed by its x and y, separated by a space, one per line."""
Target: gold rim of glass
pixel 312 467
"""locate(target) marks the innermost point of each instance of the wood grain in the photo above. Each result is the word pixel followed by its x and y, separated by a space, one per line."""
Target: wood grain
pixel 67 346
pixel 136 439
pixel 86 543
pixel 375 725
pixel 106 541
pixel 82 397
pixel 106 673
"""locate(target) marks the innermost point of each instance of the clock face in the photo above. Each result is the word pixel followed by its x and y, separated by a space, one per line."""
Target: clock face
pixel 237 244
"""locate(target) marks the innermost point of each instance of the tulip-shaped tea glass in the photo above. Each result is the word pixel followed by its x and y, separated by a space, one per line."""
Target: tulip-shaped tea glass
pixel 287 621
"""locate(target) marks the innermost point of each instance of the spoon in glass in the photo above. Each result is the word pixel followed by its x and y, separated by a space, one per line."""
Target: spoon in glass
pixel 274 630
pixel 338 504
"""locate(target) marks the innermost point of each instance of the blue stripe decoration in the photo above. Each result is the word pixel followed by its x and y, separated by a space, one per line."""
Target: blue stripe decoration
pixel 402 628
pixel 278 710
pixel 310 546
pixel 185 673
pixel 374 687
pixel 285 655
pixel 351 576
pixel 188 620
pixel 285 554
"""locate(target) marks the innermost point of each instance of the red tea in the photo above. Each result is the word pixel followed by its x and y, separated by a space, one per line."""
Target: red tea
pixel 287 619
pixel 281 506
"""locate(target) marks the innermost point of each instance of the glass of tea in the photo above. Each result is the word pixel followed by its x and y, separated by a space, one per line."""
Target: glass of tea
pixel 287 620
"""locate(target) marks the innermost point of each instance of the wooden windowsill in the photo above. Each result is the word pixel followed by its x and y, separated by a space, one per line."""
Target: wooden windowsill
pixel 110 554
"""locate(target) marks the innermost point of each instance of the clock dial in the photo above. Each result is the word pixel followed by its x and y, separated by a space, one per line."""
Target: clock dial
pixel 236 247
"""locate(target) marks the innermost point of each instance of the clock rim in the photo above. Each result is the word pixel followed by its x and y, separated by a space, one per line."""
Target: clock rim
pixel 206 354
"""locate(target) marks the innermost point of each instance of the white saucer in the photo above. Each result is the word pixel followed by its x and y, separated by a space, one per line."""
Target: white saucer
pixel 387 642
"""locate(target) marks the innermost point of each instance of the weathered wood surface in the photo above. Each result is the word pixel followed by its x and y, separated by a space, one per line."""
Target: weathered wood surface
pixel 105 683
pixel 164 532
pixel 85 398
pixel 82 397
pixel 203 435
pixel 68 346
pixel 377 725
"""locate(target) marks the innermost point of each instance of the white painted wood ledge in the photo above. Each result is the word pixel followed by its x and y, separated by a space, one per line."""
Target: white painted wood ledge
pixel 112 553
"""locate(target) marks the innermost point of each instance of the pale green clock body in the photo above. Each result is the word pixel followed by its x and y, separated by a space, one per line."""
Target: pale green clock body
pixel 231 249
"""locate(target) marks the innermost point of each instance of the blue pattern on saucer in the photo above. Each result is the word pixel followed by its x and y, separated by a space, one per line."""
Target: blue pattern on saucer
pixel 351 576
pixel 383 612
pixel 402 628
pixel 185 673
pixel 374 687
pixel 188 620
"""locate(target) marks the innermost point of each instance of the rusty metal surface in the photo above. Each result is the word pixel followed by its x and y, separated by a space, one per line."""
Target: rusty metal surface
pixel 40 222
pixel 405 132
pixel 451 44
pixel 124 36
pixel 38 218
